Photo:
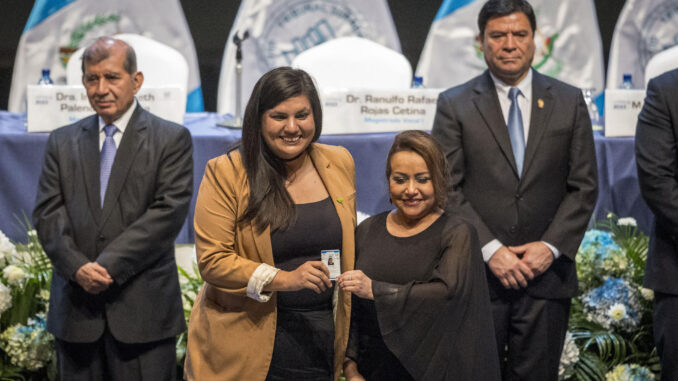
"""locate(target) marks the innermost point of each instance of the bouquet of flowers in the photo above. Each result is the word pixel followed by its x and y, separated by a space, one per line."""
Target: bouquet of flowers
pixel 26 348
pixel 611 320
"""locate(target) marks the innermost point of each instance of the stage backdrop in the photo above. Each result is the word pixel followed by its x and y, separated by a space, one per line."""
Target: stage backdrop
pixel 568 44
pixel 57 28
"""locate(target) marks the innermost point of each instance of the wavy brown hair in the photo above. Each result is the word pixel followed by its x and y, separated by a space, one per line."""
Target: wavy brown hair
pixel 423 145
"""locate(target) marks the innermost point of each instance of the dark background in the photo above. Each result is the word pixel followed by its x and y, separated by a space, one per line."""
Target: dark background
pixel 210 23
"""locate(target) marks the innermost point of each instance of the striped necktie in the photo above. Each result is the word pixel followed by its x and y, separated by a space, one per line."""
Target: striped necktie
pixel 107 157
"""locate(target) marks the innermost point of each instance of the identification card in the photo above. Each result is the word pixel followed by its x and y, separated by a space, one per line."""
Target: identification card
pixel 332 259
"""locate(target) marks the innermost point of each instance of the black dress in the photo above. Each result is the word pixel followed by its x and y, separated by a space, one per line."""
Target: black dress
pixel 304 337
pixel 431 317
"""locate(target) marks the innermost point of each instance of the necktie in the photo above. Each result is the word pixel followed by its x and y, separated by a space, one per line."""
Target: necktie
pixel 107 157
pixel 515 128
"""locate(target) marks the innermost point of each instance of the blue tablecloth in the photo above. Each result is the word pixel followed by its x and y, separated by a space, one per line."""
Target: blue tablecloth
pixel 21 157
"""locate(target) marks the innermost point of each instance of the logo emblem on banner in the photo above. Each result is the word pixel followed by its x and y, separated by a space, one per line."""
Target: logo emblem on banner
pixel 79 32
pixel 659 31
pixel 326 19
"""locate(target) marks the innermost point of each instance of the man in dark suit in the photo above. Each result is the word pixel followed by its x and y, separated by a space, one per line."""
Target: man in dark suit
pixel 657 161
pixel 113 194
pixel 523 169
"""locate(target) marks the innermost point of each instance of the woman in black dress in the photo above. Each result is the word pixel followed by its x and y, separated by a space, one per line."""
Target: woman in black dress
pixel 421 308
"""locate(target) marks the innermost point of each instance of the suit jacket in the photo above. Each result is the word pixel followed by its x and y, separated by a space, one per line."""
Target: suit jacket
pixel 657 161
pixel 146 203
pixel 555 195
pixel 230 335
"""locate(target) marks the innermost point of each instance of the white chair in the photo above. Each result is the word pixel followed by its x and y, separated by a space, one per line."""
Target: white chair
pixel 661 62
pixel 355 63
pixel 161 64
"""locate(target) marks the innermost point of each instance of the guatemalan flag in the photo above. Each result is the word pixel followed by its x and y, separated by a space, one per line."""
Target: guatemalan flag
pixel 568 44
pixel 644 28
pixel 57 28
pixel 280 30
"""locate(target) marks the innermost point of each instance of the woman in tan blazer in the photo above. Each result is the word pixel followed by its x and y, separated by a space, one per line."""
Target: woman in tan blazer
pixel 265 211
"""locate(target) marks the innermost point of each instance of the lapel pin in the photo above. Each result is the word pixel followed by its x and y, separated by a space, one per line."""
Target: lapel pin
pixel 540 103
pixel 340 200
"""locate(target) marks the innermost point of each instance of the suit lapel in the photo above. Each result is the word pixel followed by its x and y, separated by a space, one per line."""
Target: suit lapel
pixel 488 106
pixel 133 138
pixel 542 106
pixel 90 156
pixel 338 193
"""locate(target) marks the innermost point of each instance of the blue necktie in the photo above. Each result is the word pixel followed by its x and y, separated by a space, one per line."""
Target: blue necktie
pixel 515 128
pixel 107 157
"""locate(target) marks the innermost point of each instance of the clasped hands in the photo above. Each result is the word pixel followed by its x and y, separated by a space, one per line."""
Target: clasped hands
pixel 93 278
pixel 514 266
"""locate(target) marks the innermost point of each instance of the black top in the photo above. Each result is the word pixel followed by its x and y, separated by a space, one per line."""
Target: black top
pixel 304 337
pixel 431 317
pixel 317 227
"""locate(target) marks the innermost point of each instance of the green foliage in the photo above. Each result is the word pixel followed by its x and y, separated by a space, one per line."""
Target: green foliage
pixel 616 249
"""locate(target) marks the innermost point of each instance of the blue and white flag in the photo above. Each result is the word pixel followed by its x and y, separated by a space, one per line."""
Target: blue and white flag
pixel 280 30
pixel 644 28
pixel 568 44
pixel 57 28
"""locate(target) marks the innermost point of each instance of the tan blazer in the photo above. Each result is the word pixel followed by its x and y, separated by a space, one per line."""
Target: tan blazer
pixel 230 335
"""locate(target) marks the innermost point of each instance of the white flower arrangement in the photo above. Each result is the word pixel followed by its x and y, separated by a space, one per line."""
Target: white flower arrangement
pixel 614 305
pixel 15 275
pixel 646 293
pixel 611 320
pixel 627 221
pixel 7 248
pixel 26 348
pixel 5 298
pixel 29 346
pixel 629 372
pixel 568 358
pixel 617 312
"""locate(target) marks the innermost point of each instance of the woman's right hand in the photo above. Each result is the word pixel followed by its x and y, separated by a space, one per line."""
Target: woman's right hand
pixel 313 275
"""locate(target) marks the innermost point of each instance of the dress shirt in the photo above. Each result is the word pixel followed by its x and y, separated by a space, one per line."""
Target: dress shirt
pixel 120 123
pixel 525 103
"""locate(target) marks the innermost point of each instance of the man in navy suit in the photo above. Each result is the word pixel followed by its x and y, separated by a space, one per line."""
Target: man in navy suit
pixel 523 170
pixel 657 161
pixel 113 194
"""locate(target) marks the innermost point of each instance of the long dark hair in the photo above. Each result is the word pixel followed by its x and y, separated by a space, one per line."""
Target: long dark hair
pixel 269 203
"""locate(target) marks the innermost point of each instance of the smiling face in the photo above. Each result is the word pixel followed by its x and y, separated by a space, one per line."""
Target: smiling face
pixel 109 87
pixel 508 47
pixel 288 128
pixel 411 186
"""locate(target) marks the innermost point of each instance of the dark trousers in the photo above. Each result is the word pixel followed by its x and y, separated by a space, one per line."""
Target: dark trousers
pixel 110 360
pixel 530 335
pixel 666 333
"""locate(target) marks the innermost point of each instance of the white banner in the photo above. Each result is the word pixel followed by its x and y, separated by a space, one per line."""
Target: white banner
pixel 568 44
pixel 280 30
pixel 644 28
pixel 57 28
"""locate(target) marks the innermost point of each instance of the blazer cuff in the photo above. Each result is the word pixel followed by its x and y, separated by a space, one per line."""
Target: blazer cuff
pixel 554 250
pixel 262 276
pixel 490 248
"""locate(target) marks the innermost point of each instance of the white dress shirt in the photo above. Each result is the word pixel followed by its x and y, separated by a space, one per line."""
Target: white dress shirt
pixel 120 123
pixel 525 103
